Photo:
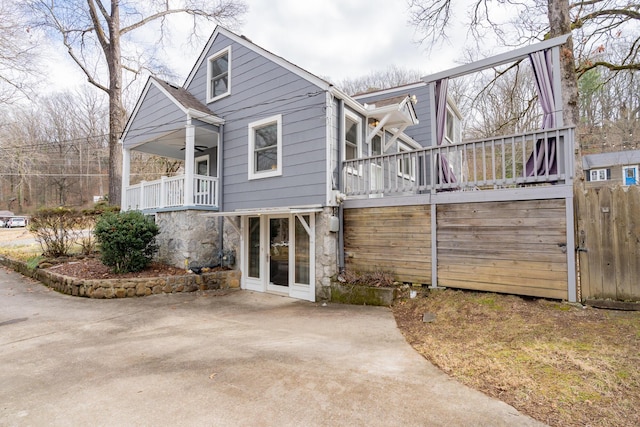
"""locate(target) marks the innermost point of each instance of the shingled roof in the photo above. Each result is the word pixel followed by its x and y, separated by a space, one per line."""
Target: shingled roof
pixel 185 98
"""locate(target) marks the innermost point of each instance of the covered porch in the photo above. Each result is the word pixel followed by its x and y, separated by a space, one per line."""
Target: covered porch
pixel 181 129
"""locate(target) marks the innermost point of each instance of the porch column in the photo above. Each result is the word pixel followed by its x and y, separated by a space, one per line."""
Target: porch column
pixel 126 173
pixel 189 158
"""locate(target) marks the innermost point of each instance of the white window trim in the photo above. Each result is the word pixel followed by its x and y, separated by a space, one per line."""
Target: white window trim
pixel 200 159
pixel 213 57
pixel 251 160
pixel 404 147
pixel 597 174
pixel 352 116
pixel 624 174
pixel 456 126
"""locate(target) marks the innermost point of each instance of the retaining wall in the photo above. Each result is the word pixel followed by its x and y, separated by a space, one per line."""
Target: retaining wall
pixel 125 288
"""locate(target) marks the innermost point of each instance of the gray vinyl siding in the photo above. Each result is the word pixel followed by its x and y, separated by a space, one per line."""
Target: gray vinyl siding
pixel 157 115
pixel 261 88
pixel 421 132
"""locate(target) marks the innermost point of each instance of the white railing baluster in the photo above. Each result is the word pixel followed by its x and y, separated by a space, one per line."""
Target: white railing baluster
pixel 419 170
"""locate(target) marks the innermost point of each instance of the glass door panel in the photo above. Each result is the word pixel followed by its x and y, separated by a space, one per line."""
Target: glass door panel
pixel 279 251
pixel 302 256
pixel 254 248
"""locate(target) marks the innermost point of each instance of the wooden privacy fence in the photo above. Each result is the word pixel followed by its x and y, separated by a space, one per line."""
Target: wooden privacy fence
pixel 608 239
pixel 517 247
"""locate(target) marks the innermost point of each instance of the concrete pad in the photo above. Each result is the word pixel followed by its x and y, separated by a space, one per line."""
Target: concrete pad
pixel 240 359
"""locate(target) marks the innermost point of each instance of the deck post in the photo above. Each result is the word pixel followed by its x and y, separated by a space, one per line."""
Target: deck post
pixel 571 251
pixel 434 246
pixel 142 205
pixel 163 191
pixel 126 173
pixel 189 155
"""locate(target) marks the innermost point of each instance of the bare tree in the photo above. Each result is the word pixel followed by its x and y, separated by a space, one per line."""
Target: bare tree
pixel 94 33
pixel 381 79
pixel 17 52
pixel 596 26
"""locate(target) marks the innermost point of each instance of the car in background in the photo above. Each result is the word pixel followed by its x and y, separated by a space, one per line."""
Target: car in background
pixel 16 222
pixel 2 223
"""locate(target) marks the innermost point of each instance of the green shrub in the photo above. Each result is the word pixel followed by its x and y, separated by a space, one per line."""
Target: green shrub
pixel 88 223
pixel 56 229
pixel 127 240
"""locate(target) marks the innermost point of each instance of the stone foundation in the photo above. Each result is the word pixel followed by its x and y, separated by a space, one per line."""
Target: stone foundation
pixel 125 288
pixel 189 239
pixel 326 255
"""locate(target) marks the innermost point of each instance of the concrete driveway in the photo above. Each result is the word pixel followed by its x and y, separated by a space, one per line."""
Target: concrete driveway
pixel 202 359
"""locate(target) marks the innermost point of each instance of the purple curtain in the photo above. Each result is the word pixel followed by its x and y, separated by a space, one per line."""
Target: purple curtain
pixel 543 160
pixel 445 174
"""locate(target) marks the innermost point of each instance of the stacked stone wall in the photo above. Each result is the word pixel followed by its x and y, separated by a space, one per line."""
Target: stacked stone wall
pixel 190 239
pixel 326 255
pixel 126 288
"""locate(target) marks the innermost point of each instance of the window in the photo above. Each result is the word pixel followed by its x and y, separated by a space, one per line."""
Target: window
pixel 453 133
pixel 352 137
pixel 406 163
pixel 376 145
pixel 202 165
pixel 265 148
pixel 218 73
pixel 630 175
pixel 599 174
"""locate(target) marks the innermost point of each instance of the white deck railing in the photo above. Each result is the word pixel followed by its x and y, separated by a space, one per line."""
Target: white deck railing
pixel 499 162
pixel 169 192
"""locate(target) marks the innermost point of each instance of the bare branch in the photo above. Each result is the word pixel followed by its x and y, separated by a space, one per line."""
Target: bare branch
pixel 431 17
pixel 224 11
pixel 626 14
pixel 102 37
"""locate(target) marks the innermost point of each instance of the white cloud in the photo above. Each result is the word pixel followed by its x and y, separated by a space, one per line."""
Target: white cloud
pixel 340 39
pixel 335 39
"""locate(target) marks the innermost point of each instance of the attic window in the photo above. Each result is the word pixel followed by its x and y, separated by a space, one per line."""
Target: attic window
pixel 218 74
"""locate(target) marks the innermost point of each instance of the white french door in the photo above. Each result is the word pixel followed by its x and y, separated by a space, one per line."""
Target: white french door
pixel 278 254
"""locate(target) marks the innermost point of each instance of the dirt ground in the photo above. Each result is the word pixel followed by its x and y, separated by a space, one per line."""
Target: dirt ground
pixel 562 364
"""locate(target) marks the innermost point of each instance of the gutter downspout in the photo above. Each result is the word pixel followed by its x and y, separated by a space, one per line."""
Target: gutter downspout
pixel 339 181
pixel 220 194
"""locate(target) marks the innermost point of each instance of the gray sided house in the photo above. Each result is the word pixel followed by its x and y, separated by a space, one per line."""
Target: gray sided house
pixel 614 168
pixel 292 180
pixel 262 143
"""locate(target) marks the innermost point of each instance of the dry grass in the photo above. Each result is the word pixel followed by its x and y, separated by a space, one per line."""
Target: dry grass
pixel 562 364
pixel 18 243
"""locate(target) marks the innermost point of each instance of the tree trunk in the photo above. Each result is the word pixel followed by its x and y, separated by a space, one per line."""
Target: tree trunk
pixel 559 24
pixel 116 109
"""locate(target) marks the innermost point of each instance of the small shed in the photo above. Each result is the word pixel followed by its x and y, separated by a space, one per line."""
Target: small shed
pixel 614 168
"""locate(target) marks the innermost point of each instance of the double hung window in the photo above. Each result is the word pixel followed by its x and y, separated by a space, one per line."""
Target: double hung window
pixel 218 75
pixel 265 148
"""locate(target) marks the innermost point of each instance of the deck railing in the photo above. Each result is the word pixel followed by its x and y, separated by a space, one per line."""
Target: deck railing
pixel 168 192
pixel 500 162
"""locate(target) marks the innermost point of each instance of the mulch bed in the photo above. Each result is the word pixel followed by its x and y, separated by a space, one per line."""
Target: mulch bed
pixel 92 268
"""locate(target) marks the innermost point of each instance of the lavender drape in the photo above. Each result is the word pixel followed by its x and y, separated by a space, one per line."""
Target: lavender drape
pixel 543 160
pixel 445 174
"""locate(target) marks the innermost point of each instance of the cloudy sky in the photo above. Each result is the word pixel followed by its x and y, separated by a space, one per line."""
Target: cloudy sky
pixel 343 38
pixel 335 39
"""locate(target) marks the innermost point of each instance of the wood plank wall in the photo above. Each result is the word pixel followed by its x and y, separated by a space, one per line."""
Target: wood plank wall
pixel 393 239
pixel 514 247
pixel 608 235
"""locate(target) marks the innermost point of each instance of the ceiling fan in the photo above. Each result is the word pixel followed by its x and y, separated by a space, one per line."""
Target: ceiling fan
pixel 198 148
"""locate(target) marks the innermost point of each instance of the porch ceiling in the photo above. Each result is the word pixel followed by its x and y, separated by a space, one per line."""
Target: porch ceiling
pixel 171 144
